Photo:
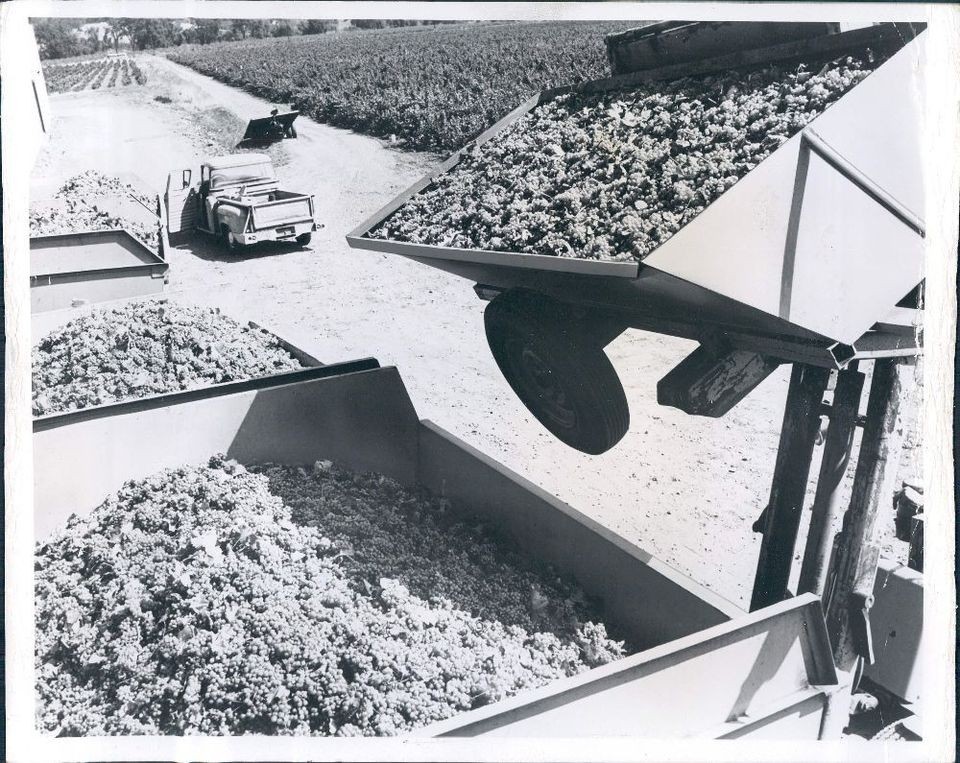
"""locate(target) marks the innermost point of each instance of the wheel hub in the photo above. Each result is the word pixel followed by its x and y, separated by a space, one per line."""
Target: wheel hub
pixel 542 382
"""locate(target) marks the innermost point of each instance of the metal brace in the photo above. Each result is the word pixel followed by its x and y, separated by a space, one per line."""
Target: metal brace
pixel 860 601
pixel 860 626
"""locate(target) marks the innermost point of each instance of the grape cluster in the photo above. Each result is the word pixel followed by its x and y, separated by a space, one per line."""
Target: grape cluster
pixel 192 602
pixel 94 201
pixel 147 348
pixel 613 176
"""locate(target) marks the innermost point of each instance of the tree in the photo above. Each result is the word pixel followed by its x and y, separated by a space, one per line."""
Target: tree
pixel 240 28
pixel 55 38
pixel 207 30
pixel 153 33
pixel 117 29
pixel 283 28
pixel 319 26
pixel 93 41
pixel 259 28
pixel 368 23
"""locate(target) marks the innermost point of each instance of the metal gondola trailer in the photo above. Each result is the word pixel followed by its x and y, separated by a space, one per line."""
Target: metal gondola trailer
pixel 805 260
pixel 769 672
pixel 814 258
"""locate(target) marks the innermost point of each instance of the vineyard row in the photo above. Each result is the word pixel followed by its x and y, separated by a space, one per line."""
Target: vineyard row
pixel 93 75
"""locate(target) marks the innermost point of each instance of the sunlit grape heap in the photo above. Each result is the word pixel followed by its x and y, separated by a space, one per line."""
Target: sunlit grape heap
pixel 192 602
pixel 147 348
pixel 94 201
pixel 367 514
pixel 612 176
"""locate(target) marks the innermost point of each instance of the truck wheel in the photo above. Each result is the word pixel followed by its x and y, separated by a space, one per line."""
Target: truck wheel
pixel 565 380
pixel 304 238
pixel 228 242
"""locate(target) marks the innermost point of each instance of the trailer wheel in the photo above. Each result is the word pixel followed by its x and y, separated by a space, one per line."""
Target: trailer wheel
pixel 565 380
pixel 304 238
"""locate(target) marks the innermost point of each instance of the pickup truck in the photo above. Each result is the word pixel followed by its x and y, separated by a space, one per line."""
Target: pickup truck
pixel 237 199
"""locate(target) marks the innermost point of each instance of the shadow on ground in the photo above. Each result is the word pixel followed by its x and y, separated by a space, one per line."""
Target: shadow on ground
pixel 212 250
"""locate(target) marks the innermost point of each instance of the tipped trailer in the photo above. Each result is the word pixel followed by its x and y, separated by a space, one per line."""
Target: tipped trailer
pixel 814 257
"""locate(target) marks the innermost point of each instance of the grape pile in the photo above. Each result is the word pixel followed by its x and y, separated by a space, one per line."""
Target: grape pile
pixel 190 602
pixel 387 530
pixel 613 176
pixel 91 184
pixel 94 201
pixel 147 348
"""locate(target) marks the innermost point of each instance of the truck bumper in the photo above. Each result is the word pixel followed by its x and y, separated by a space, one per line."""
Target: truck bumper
pixel 280 233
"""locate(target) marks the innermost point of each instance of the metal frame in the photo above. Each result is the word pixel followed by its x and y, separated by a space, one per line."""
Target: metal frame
pixel 810 140
pixel 574 690
pixel 156 268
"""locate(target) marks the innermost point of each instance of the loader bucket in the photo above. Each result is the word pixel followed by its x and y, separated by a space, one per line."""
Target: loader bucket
pixel 261 131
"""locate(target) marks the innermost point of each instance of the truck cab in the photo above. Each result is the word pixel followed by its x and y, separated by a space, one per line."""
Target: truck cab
pixel 238 199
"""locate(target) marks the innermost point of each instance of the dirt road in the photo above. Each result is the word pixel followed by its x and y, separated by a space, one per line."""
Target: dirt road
pixel 685 489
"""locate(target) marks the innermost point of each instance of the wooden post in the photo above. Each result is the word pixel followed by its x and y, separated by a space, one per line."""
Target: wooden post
pixel 801 423
pixel 826 505
pixel 849 595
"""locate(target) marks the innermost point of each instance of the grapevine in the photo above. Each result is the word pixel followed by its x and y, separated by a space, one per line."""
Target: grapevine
pixel 428 88
pixel 62 77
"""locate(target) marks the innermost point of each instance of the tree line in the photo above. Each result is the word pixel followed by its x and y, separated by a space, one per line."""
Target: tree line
pixel 65 37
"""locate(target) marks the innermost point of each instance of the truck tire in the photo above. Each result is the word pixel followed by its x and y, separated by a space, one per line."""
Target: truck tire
pixel 228 243
pixel 563 378
pixel 304 238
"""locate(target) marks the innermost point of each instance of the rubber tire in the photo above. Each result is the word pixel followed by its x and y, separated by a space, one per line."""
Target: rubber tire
pixel 566 381
pixel 304 238
pixel 230 245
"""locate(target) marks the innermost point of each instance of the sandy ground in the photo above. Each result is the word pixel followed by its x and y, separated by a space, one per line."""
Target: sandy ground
pixel 686 489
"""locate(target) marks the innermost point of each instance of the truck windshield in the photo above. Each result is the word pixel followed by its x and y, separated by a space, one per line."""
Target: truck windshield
pixel 248 173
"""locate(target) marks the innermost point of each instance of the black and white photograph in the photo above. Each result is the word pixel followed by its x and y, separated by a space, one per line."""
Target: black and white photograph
pixel 479 381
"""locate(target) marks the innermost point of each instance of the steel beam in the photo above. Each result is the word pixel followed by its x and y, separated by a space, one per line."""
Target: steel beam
pixel 827 508
pixel 801 423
